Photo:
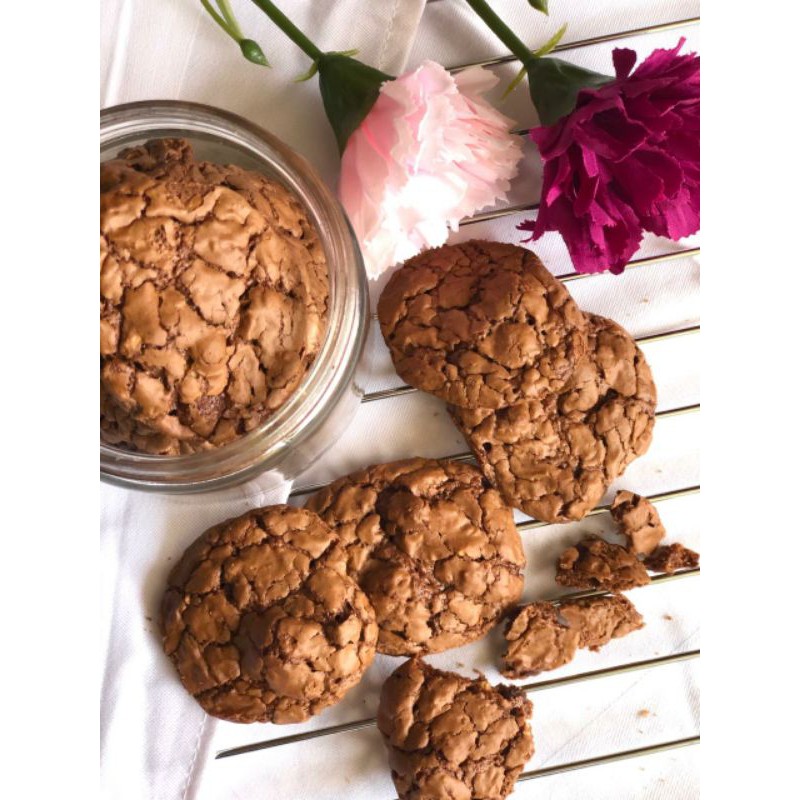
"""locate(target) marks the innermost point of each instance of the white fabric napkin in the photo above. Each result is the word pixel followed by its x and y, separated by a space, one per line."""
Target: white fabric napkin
pixel 156 743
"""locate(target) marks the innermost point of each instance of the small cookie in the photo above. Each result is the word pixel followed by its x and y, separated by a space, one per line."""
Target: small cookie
pixel 594 563
pixel 542 636
pixel 257 628
pixel 672 557
pixel 639 521
pixel 450 737
pixel 481 324
pixel 434 547
pixel 555 457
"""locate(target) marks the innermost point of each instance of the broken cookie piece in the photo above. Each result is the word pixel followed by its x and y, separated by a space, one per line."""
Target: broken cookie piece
pixel 542 636
pixel 672 557
pixel 639 521
pixel 594 563
pixel 537 641
pixel 452 737
pixel 601 619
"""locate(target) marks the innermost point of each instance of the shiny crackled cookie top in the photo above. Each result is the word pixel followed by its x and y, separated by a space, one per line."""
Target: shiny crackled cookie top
pixel 213 299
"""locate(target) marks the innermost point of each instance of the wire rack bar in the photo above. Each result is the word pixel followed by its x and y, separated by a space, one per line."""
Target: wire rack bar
pixel 398 391
pixel 610 758
pixel 537 686
pixel 658 27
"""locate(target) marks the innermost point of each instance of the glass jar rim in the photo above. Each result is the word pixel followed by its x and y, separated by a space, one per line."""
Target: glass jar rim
pixel 333 370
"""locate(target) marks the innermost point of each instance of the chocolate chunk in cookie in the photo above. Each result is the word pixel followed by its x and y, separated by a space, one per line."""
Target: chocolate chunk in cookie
pixel 258 629
pixel 481 324
pixel 554 457
pixel 213 299
pixel 594 563
pixel 433 546
pixel 639 521
pixel 450 737
pixel 672 557
pixel 542 636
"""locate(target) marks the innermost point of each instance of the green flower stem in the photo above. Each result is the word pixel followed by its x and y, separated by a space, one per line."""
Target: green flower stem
pixel 290 29
pixel 227 12
pixel 500 29
pixel 220 21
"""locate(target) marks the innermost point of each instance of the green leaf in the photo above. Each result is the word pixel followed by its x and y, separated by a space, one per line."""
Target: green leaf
pixel 252 52
pixel 551 43
pixel 516 82
pixel 309 73
pixel 539 5
pixel 349 89
pixel 554 86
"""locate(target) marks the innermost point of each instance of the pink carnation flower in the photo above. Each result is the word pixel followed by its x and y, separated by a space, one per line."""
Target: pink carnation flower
pixel 430 152
pixel 626 160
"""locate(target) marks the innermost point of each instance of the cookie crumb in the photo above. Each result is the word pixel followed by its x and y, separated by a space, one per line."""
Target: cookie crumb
pixel 643 712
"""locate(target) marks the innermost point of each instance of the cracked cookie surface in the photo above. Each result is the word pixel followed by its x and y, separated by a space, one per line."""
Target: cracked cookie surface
pixel 452 737
pixel 434 547
pixel 213 299
pixel 258 628
pixel 594 563
pixel 481 324
pixel 555 457
pixel 542 636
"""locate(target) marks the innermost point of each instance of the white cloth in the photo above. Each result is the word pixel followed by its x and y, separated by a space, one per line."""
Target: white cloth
pixel 156 743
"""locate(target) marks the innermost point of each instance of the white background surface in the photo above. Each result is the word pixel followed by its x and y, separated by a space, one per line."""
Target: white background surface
pixel 170 50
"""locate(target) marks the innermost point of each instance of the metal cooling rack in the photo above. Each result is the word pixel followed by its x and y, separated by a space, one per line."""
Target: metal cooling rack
pixel 553 683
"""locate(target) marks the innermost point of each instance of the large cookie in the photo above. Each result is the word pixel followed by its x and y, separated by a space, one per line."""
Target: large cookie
pixel 433 546
pixel 555 457
pixel 213 299
pixel 452 737
pixel 481 324
pixel 258 629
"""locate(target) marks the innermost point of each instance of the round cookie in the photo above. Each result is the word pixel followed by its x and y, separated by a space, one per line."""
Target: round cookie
pixel 257 627
pixel 481 325
pixel 213 299
pixel 554 458
pixel 452 737
pixel 432 545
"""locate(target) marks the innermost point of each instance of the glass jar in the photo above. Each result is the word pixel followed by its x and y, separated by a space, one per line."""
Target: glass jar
pixel 314 417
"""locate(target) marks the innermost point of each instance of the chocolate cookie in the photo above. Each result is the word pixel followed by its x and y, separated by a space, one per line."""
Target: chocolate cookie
pixel 258 629
pixel 638 521
pixel 554 457
pixel 541 636
pixel 452 737
pixel 213 299
pixel 433 546
pixel 481 324
pixel 594 563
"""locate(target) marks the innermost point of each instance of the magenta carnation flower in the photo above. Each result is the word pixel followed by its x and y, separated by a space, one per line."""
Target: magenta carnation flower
pixel 624 161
